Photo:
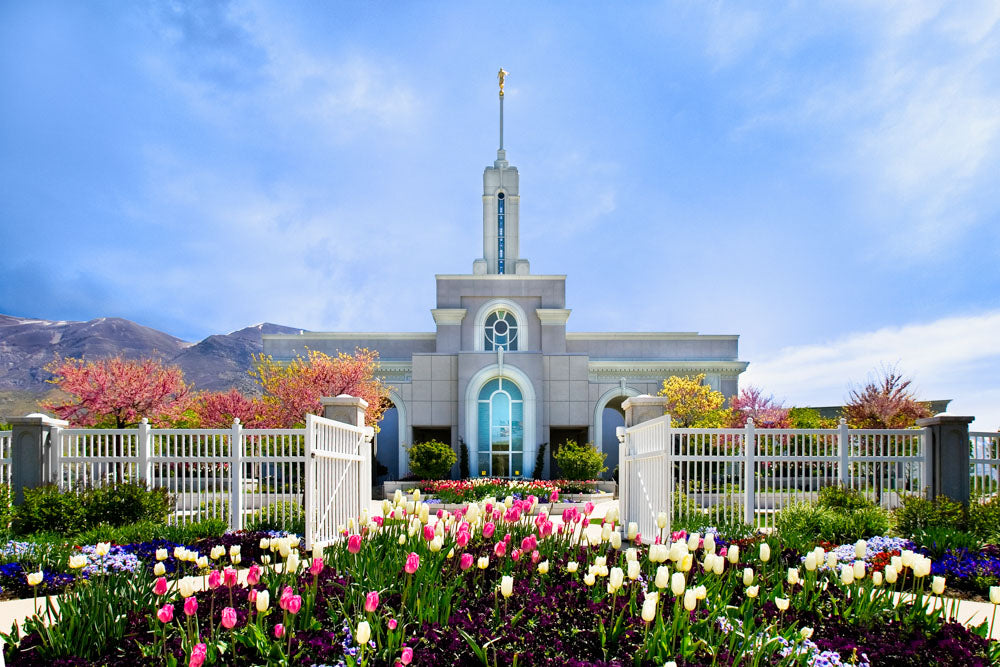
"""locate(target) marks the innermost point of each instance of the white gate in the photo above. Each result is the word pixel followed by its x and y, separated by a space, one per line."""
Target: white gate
pixel 338 477
pixel 644 487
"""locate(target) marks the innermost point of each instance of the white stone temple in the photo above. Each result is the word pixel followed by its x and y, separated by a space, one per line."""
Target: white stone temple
pixel 500 372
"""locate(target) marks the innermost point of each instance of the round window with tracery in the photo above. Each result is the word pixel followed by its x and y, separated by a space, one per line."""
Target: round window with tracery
pixel 501 331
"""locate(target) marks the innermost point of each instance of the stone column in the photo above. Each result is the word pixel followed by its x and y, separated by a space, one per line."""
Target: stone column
pixel 948 456
pixel 30 452
pixel 642 408
pixel 345 408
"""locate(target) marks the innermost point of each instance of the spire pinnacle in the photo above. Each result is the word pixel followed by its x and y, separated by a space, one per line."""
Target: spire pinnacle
pixel 501 77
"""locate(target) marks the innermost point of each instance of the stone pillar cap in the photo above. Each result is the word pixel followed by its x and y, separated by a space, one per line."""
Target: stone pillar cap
pixel 945 418
pixel 343 399
pixel 37 419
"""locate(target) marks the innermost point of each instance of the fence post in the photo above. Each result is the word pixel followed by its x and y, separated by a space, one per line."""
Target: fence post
pixel 144 446
pixel 843 442
pixel 749 474
pixel 639 409
pixel 948 456
pixel 236 475
pixel 624 470
pixel 31 452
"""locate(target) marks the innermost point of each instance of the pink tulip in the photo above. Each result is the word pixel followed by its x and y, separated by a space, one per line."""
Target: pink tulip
pixel 515 554
pixel 393 623
pixel 466 561
pixel 214 579
pixel 554 497
pixel 229 577
pixel 228 618
pixel 191 606
pixel 464 527
pixel 198 655
pixel 354 544
pixel 294 604
pixel 279 631
pixel 407 655
pixel 253 575
pixel 462 539
pixel 316 567
pixel 567 515
pixel 286 595
pixel 252 595
pixel 488 529
pixel 535 556
pixel 439 514
pixel 489 508
pixel 529 543
pixel 412 563
pixel 428 532
pixel 500 549
pixel 371 601
pixel 160 587
pixel 638 540
pixel 588 509
pixel 723 551
pixel 378 521
pixel 165 613
pixel 507 538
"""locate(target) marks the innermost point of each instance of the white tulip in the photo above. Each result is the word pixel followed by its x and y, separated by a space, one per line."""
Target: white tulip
pixel 781 604
pixel 363 633
pixel 616 540
pixel 617 577
pixel 752 591
pixel 633 569
pixel 677 583
pixel 765 552
pixel 877 578
pixel 747 576
pixel 102 548
pixel 662 579
pixel 995 594
pixel 589 579
pixel 937 585
pixel 690 599
pixel 648 610
pixel 631 554
pixel 710 543
pixel 810 561
pixel 859 569
pixel 693 540
pixel 847 575
pixel 860 549
pixel 633 530
pixel 186 587
pixel 572 566
pixel 543 567
pixel 161 554
pixel 484 562
pixel 890 575
pixel 507 586
pixel 793 576
pixel 661 520
pixel 733 554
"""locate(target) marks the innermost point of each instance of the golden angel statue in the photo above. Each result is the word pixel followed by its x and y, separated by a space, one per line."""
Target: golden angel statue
pixel 501 77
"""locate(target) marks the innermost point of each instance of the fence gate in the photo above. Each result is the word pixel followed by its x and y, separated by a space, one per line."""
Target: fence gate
pixel 338 477
pixel 644 487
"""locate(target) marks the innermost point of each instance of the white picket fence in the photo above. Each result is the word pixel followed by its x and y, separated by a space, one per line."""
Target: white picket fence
pixel 5 446
pixel 321 473
pixel 714 475
pixel 984 463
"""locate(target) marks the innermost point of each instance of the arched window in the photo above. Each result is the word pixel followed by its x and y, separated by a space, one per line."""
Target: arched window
pixel 500 330
pixel 501 429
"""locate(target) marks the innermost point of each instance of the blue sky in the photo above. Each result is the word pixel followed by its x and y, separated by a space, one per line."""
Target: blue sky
pixel 818 178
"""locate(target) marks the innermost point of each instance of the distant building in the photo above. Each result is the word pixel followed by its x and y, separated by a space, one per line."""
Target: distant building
pixel 500 372
pixel 834 411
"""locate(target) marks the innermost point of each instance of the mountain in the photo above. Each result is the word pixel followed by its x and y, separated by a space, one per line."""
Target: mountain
pixel 222 361
pixel 28 345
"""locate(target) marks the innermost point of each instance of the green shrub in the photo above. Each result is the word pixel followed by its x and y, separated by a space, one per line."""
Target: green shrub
pixel 281 515
pixel 984 519
pixel 431 459
pixel 801 525
pixel 916 513
pixel 539 470
pixel 46 508
pixel 126 503
pixel 939 539
pixel 841 497
pixel 579 462
pixel 188 533
pixel 6 508
pixel 463 460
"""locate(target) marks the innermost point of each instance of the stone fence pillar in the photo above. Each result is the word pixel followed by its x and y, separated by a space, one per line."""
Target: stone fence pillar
pixel 345 408
pixel 948 456
pixel 30 452
pixel 642 408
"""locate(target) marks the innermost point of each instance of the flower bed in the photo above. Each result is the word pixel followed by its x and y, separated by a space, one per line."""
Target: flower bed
pixel 492 584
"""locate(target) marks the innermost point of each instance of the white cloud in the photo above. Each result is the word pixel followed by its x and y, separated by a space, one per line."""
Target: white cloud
pixel 954 357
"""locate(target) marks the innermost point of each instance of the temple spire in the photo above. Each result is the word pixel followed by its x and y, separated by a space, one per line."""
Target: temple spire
pixel 501 77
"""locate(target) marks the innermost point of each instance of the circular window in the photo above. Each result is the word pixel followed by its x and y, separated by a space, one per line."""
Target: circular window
pixel 501 331
pixel 499 195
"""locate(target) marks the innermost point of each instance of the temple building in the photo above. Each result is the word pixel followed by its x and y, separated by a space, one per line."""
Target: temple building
pixel 500 372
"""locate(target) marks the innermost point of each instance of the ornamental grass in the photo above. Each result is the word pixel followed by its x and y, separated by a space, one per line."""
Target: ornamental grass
pixel 493 584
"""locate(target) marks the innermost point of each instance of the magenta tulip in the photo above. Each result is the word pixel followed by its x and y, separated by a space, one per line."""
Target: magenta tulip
pixel 160 587
pixel 466 561
pixel 253 575
pixel 371 601
pixel 407 655
pixel 214 579
pixel 279 631
pixel 316 567
pixel 488 529
pixel 354 544
pixel 229 577
pixel 294 604
pixel 228 618
pixel 191 606
pixel 198 655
